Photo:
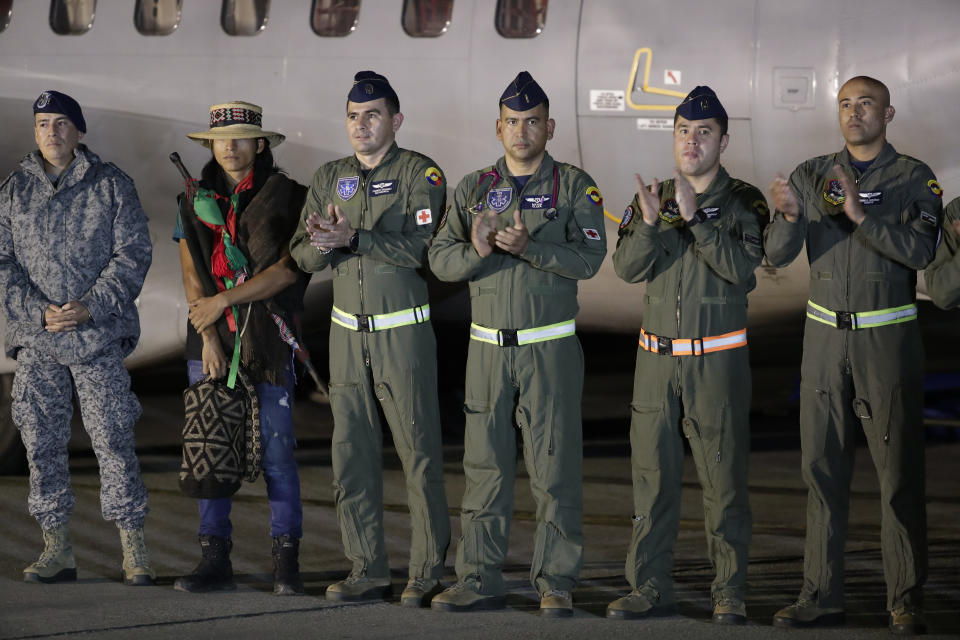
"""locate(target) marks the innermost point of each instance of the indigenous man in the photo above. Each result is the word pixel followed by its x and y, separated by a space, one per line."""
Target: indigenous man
pixel 239 274
pixel 74 250
pixel 522 232
pixel 370 217
pixel 870 218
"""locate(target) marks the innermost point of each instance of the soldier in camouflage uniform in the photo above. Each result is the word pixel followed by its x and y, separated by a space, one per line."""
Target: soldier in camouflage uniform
pixel 943 274
pixel 870 218
pixel 74 250
pixel 370 218
pixel 522 232
pixel 695 241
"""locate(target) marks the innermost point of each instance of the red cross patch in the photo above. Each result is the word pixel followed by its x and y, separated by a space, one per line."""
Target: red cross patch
pixel 593 234
pixel 424 216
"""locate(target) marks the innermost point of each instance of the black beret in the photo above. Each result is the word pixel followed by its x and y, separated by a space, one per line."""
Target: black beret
pixel 56 102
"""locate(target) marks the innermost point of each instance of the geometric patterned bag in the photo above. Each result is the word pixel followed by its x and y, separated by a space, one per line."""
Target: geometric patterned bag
pixel 221 438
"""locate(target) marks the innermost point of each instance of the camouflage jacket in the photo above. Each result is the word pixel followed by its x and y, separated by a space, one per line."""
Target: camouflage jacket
pixel 84 239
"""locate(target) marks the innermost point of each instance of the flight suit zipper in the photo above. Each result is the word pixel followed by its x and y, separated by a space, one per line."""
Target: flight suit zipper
pixel 363 208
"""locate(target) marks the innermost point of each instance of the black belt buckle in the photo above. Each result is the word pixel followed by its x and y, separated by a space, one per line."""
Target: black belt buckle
pixel 508 338
pixel 844 320
pixel 664 346
pixel 364 322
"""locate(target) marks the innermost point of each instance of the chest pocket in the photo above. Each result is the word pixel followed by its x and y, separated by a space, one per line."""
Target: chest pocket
pixel 386 204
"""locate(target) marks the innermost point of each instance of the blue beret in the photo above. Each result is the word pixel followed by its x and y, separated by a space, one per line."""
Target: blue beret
pixel 523 93
pixel 368 86
pixel 701 104
pixel 56 102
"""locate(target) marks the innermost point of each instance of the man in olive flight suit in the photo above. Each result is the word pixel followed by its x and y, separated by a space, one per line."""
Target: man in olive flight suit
pixel 522 232
pixel 943 274
pixel 370 217
pixel 696 241
pixel 870 217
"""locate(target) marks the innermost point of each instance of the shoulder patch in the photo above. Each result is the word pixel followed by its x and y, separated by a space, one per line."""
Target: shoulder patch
pixel 593 194
pixel 434 176
pixel 935 188
pixel 627 216
pixel 760 208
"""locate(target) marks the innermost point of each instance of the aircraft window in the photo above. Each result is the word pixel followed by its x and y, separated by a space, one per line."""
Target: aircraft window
pixel 244 17
pixel 6 10
pixel 71 17
pixel 426 18
pixel 157 17
pixel 521 18
pixel 334 18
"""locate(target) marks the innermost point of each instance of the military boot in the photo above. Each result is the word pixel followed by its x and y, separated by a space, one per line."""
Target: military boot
pixel 215 571
pixel 640 603
pixel 420 591
pixel 136 560
pixel 358 587
pixel 730 611
pixel 286 566
pixel 556 603
pixel 466 596
pixel 806 613
pixel 907 621
pixel 56 563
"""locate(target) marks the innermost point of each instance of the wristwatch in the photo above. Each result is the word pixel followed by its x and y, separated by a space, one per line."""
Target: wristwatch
pixel 698 216
pixel 354 243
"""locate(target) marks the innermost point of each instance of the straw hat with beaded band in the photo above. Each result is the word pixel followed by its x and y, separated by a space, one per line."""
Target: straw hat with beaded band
pixel 236 120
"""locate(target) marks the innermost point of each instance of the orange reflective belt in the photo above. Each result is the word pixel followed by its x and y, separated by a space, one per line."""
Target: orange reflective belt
pixel 692 346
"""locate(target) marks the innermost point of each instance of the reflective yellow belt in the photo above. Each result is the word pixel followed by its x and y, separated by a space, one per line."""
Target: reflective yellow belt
pixel 381 321
pixel 518 337
pixel 861 319
pixel 692 346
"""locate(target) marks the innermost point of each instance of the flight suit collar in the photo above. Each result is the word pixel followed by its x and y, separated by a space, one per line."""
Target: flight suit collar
pixel 886 156
pixel 387 158
pixel 543 172
pixel 720 183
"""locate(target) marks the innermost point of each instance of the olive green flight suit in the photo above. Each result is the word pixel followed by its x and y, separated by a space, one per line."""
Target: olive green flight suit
pixel 943 274
pixel 536 387
pixel 697 280
pixel 395 209
pixel 867 377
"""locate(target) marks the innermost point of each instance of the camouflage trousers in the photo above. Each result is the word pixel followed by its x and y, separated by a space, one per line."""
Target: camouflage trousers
pixel 42 408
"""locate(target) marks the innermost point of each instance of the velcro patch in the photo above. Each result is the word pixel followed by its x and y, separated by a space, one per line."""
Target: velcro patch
pixel 424 216
pixel 593 234
pixel 670 211
pixel 627 217
pixel 536 202
pixel 751 238
pixel 434 177
pixel 834 193
pixel 711 213
pixel 383 187
pixel 929 218
pixel 346 187
pixel 935 188
pixel 871 197
pixel 594 195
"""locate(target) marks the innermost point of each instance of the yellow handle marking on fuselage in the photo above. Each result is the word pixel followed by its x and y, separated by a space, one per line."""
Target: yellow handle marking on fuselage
pixel 645 87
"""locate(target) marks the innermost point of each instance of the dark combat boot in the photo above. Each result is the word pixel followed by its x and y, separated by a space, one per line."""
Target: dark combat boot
pixel 215 572
pixel 286 566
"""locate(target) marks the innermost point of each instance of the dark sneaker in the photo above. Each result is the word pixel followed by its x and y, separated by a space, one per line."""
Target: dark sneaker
pixel 215 571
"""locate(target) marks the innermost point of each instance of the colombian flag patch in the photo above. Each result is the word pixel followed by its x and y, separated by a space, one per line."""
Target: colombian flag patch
pixel 935 188
pixel 594 194
pixel 434 176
